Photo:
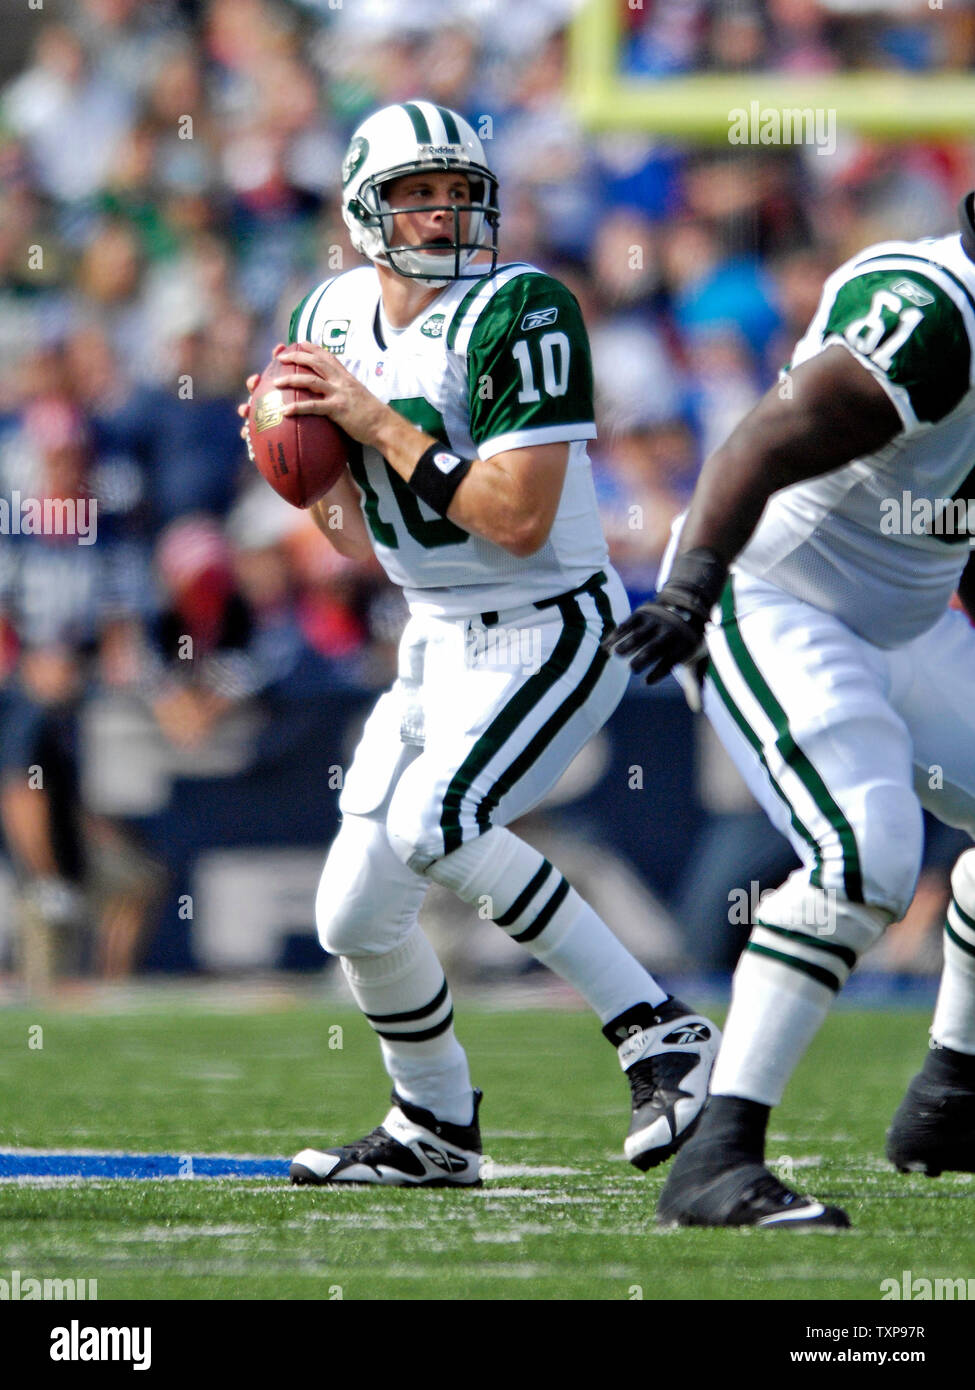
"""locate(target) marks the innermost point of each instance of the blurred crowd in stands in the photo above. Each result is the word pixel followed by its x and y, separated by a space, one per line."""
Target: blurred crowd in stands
pixel 168 192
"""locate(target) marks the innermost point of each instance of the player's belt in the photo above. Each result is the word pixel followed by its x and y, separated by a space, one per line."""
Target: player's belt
pixel 512 615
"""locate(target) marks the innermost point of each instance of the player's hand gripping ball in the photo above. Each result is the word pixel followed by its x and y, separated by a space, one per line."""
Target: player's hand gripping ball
pixel 301 456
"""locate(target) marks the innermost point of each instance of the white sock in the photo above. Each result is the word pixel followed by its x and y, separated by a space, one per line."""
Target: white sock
pixel 775 1014
pixel 521 891
pixel 404 996
pixel 954 1013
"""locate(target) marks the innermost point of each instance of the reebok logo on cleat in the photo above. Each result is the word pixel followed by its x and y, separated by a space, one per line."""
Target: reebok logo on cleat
pixel 450 1163
pixel 688 1033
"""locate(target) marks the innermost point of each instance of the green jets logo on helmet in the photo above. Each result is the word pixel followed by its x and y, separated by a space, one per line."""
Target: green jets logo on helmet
pixel 355 157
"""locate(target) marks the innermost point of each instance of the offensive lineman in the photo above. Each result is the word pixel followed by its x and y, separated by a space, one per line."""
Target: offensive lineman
pixel 842 685
pixel 468 384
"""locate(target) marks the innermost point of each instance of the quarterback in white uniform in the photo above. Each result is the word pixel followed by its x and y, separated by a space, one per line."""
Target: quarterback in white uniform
pixel 467 385
pixel 842 684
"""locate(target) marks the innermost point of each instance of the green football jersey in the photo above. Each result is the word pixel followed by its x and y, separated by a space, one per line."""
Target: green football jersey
pixel 495 364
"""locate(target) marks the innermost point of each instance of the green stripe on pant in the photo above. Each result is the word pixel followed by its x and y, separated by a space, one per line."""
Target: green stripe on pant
pixel 791 752
pixel 749 733
pixel 517 710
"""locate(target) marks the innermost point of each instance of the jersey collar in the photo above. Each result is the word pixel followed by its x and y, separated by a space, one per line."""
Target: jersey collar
pixel 966 215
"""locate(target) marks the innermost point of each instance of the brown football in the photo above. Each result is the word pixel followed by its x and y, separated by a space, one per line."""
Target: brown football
pixel 301 456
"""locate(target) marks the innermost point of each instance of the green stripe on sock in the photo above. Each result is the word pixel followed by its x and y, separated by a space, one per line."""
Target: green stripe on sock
pixel 969 921
pixel 423 1036
pixel 524 897
pixel 815 972
pixel 843 953
pixel 958 940
pixel 546 914
pixel 412 1014
pixel 790 750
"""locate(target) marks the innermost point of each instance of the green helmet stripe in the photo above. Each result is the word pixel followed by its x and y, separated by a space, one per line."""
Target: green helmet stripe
pixel 449 125
pixel 420 128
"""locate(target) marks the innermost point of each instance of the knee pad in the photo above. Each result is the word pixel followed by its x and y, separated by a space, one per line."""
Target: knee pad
pixel 816 929
pixel 890 841
pixel 367 901
pixel 413 820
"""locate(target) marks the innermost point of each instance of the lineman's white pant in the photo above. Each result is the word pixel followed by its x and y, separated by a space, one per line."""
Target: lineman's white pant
pixel 842 742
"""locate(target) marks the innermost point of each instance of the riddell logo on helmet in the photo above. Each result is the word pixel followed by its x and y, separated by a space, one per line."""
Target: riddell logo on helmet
pixel 441 151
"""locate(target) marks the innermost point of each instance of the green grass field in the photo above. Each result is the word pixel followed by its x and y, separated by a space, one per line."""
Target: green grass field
pixel 564 1216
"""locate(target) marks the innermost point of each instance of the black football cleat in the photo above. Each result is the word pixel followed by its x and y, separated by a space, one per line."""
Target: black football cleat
pixel 411 1148
pixel 745 1194
pixel 933 1130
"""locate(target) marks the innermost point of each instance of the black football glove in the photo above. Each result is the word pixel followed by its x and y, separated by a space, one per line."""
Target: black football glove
pixel 669 631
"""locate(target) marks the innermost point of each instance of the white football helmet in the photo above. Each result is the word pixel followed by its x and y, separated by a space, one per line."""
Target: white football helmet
pixel 418 137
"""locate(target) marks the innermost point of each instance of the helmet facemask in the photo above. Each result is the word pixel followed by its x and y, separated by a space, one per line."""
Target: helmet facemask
pixel 375 214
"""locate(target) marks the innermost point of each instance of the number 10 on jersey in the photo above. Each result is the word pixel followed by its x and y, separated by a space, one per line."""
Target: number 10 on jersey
pixel 553 350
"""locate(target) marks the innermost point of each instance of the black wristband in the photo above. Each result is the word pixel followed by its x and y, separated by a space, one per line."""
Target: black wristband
pixel 695 582
pixel 437 476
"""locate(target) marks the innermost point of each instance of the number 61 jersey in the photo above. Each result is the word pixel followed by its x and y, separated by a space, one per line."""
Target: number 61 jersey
pixel 490 365
pixel 881 542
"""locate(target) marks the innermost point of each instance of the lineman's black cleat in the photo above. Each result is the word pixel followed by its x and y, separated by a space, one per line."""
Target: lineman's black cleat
pixel 933 1131
pixel 745 1195
pixel 720 1179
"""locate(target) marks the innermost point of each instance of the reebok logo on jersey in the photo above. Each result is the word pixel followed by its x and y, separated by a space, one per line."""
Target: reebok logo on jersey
pixel 334 335
pixel 908 290
pixel 688 1033
pixel 538 318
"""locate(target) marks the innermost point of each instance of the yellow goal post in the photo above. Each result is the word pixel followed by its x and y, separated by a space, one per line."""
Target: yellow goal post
pixel 702 107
